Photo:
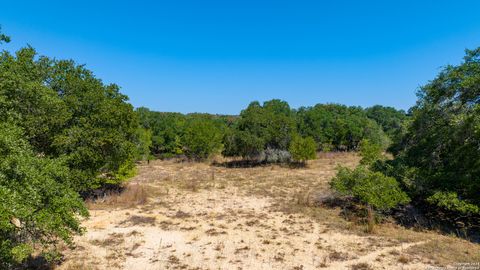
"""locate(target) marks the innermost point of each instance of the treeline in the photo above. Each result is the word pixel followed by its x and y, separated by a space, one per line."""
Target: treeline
pixel 270 131
pixel 63 132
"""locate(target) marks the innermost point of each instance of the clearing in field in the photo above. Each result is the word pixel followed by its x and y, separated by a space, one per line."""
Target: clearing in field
pixel 176 215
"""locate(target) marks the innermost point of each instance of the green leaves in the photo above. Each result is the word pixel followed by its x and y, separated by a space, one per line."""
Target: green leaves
pixel 338 127
pixel 202 138
pixel 260 127
pixel 303 149
pixel 390 119
pixel 451 201
pixel 66 112
pixel 372 188
pixel 62 131
pixel 370 152
pixel 3 37
pixel 442 140
pixel 37 205
pixel 143 143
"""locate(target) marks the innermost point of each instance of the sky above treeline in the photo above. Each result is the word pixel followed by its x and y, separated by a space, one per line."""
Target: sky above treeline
pixel 218 56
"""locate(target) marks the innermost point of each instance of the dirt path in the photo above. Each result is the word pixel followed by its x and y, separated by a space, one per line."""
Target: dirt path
pixel 218 224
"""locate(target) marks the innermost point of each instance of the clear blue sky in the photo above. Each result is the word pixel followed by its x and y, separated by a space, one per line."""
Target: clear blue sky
pixel 217 56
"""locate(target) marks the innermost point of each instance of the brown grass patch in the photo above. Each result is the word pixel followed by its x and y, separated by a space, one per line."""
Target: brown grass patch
pixel 80 265
pixel 113 239
pixel 133 195
pixel 361 266
pixel 338 256
pixel 443 250
pixel 139 220
pixel 404 259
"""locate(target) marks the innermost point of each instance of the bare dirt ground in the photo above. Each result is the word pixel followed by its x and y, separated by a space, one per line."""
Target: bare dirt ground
pixel 199 216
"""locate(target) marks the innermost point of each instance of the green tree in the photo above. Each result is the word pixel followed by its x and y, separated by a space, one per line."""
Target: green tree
pixel 390 119
pixel 338 127
pixel 166 128
pixel 261 127
pixel 66 112
pixel 143 143
pixel 38 208
pixel 303 149
pixel 3 37
pixel 202 138
pixel 242 143
pixel 370 152
pixel 438 159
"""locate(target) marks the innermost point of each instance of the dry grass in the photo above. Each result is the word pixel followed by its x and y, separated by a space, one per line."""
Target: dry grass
pixel 361 266
pixel 443 250
pixel 82 265
pixel 338 256
pixel 138 220
pixel 133 195
pixel 113 239
pixel 213 206
pixel 404 259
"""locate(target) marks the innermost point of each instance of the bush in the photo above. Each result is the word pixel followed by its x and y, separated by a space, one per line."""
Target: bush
pixel 303 149
pixel 270 155
pixel 451 201
pixel 370 152
pixel 370 188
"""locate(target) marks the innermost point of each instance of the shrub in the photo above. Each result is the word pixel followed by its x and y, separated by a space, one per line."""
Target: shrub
pixel 370 152
pixel 270 155
pixel 370 188
pixel 303 149
pixel 451 201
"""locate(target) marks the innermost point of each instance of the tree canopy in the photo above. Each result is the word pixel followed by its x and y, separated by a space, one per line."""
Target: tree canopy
pixel 37 205
pixel 338 127
pixel 63 132
pixel 66 112
pixel 439 156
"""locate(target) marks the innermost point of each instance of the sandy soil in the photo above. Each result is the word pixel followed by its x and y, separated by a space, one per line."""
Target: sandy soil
pixel 200 216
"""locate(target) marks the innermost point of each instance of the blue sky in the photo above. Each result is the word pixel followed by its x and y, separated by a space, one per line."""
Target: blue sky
pixel 217 56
